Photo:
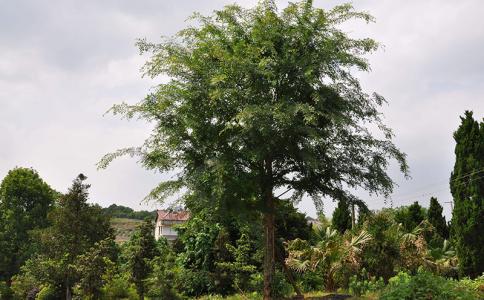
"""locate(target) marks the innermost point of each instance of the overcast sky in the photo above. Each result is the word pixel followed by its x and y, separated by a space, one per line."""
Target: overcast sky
pixel 64 63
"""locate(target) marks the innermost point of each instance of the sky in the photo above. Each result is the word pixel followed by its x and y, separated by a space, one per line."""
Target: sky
pixel 64 63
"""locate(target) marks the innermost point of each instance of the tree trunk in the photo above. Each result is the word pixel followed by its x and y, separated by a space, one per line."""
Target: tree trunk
pixel 289 274
pixel 269 216
pixel 269 262
pixel 353 221
pixel 68 292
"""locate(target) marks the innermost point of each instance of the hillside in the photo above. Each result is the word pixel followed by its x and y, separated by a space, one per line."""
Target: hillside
pixel 124 228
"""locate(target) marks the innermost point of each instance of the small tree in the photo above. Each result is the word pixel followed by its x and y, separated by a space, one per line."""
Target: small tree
pixel 435 217
pixel 93 265
pixel 341 217
pixel 141 249
pixel 76 227
pixel 25 200
pixel 467 187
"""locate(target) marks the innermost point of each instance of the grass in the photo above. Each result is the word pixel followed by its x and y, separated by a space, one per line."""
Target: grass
pixel 124 228
pixel 255 296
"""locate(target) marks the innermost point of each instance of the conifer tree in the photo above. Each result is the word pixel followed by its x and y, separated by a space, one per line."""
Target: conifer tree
pixel 140 251
pixel 341 217
pixel 467 187
pixel 435 217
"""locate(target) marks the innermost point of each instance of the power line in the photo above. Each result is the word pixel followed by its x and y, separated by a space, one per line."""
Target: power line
pixel 439 184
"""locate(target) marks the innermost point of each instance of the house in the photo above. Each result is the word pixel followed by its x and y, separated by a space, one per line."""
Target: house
pixel 165 222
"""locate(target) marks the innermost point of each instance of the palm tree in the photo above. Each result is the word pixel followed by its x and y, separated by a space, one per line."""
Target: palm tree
pixel 331 255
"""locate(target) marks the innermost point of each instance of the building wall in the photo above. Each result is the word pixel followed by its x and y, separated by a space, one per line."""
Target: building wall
pixel 166 229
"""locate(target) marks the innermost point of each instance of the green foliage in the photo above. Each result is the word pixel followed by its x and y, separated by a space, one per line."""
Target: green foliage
pixel 260 100
pixel 25 200
pixel 48 292
pixel 242 267
pixel 118 286
pixel 76 227
pixel 425 285
pixel 467 187
pixel 335 257
pixel 341 220
pixel 119 211
pixel 382 254
pixel 476 285
pixel 93 265
pixel 282 288
pixel 139 252
pixel 6 292
pixel 410 216
pixel 435 217
pixel 363 283
pixel 163 282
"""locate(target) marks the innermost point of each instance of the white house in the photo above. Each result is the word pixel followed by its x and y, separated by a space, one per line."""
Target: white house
pixel 165 220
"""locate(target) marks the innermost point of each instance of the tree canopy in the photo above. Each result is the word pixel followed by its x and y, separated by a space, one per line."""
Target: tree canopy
pixel 467 187
pixel 259 100
pixel 25 200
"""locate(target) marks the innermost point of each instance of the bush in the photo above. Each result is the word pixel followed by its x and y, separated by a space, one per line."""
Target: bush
pixel 5 291
pixel 476 285
pixel 119 287
pixel 281 287
pixel 361 284
pixel 311 281
pixel 48 292
pixel 425 285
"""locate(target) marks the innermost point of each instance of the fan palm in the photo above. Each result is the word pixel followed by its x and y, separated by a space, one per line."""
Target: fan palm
pixel 331 255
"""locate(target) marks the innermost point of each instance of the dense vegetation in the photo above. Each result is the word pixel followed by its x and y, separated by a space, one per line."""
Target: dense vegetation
pixel 119 211
pixel 261 110
pixel 261 100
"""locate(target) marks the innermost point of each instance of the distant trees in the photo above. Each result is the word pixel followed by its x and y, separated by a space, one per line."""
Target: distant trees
pixel 119 211
pixel 435 217
pixel 467 187
pixel 341 220
pixel 25 200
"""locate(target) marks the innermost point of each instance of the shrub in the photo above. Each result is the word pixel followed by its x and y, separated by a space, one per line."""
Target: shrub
pixel 119 287
pixel 281 287
pixel 48 292
pixel 362 283
pixel 425 285
pixel 476 285
pixel 5 291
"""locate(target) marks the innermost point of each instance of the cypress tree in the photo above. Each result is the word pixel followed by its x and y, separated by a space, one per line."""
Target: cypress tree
pixel 435 217
pixel 416 215
pixel 341 216
pixel 467 187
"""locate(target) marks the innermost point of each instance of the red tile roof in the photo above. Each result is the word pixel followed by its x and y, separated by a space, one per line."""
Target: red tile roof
pixel 167 215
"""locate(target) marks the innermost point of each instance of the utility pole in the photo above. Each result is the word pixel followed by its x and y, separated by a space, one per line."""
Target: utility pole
pixel 451 205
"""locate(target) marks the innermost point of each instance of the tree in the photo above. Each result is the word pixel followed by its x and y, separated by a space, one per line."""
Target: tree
pixel 25 200
pixel 332 255
pixel 435 217
pixel 410 216
pixel 260 100
pixel 141 249
pixel 467 187
pixel 93 265
pixel 76 227
pixel 341 217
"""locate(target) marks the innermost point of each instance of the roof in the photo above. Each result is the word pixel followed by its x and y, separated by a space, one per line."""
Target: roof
pixel 168 215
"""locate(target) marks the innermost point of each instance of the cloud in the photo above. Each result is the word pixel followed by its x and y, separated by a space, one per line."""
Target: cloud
pixel 63 64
